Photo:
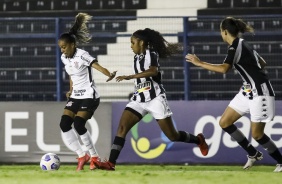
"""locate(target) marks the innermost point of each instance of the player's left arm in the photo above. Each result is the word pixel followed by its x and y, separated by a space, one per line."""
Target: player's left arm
pixel 151 72
pixel 103 70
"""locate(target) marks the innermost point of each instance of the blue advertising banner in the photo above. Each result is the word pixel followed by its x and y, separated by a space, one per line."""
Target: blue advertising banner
pixel 146 143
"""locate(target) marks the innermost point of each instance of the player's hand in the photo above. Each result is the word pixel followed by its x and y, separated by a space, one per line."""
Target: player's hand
pixel 192 58
pixel 112 76
pixel 124 77
pixel 68 94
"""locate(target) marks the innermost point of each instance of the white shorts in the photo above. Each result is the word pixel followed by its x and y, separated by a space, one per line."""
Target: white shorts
pixel 261 108
pixel 158 107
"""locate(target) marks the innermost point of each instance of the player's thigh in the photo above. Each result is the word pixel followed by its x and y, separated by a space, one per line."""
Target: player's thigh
pixel 240 104
pixel 69 113
pixel 229 117
pixel 127 121
pixel 87 108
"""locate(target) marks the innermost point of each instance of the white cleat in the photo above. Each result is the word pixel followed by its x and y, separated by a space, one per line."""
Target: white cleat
pixel 252 159
pixel 278 168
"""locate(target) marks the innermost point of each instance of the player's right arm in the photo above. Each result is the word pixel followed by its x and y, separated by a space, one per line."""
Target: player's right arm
pixel 220 68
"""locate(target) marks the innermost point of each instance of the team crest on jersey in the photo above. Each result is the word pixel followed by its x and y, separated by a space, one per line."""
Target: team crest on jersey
pixel 76 64
pixel 69 104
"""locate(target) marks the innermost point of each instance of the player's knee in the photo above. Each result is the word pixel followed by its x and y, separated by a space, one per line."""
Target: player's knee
pixel 122 130
pixel 257 135
pixel 222 123
pixel 173 138
pixel 66 122
pixel 79 125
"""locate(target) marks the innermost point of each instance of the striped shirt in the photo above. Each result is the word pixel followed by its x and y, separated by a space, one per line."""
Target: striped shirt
pixel 246 61
pixel 81 73
pixel 147 88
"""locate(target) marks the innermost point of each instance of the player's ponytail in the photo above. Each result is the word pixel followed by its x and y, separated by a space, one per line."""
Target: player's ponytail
pixel 235 26
pixel 79 32
pixel 154 40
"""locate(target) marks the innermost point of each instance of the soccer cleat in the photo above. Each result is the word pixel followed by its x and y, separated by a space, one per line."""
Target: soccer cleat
pixel 278 168
pixel 92 161
pixel 203 145
pixel 105 165
pixel 252 159
pixel 82 161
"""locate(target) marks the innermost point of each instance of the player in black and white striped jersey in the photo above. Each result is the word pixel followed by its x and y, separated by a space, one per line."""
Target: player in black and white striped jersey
pixel 83 97
pixel 149 95
pixel 256 95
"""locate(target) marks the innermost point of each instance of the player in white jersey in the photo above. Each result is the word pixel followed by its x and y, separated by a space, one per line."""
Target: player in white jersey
pixel 149 95
pixel 83 97
pixel 256 96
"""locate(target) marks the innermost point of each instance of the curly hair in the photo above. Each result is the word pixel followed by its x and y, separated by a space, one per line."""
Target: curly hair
pixel 154 40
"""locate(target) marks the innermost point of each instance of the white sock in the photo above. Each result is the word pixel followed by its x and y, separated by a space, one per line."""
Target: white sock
pixel 88 143
pixel 72 140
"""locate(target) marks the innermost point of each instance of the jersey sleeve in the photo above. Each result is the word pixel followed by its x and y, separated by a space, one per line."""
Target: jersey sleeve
pixel 63 59
pixel 154 59
pixel 230 55
pixel 87 59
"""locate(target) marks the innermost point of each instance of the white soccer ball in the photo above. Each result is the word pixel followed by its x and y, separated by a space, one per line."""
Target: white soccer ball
pixel 50 162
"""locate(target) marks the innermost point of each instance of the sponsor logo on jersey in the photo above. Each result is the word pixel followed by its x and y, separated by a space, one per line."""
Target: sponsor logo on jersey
pixel 79 92
pixel 145 86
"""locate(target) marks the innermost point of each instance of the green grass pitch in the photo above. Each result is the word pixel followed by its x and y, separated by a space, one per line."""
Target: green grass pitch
pixel 140 174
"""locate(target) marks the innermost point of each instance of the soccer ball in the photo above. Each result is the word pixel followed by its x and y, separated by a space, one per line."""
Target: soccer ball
pixel 50 162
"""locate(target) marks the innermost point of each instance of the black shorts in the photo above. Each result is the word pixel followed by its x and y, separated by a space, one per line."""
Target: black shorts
pixel 87 104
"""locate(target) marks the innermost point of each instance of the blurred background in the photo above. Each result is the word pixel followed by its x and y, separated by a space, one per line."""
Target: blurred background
pixel 31 69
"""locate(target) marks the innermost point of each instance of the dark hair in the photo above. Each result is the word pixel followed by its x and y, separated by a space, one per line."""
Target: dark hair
pixel 79 32
pixel 153 39
pixel 235 26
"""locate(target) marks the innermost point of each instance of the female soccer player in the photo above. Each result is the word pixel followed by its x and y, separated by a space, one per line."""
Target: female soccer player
pixel 83 97
pixel 256 95
pixel 149 96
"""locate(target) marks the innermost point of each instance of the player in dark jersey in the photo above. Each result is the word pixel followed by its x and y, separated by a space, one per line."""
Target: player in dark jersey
pixel 256 95
pixel 149 95
pixel 83 97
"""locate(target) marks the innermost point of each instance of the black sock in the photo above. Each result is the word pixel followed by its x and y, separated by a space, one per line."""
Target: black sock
pixel 271 148
pixel 238 136
pixel 116 149
pixel 188 138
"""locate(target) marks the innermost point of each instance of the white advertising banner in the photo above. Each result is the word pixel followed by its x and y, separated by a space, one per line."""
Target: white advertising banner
pixel 28 130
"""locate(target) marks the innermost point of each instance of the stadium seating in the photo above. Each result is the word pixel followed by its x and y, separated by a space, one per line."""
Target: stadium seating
pixel 242 7
pixel 28 62
pixel 205 41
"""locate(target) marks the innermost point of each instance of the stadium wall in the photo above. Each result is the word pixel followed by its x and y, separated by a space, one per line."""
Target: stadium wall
pixel 29 130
